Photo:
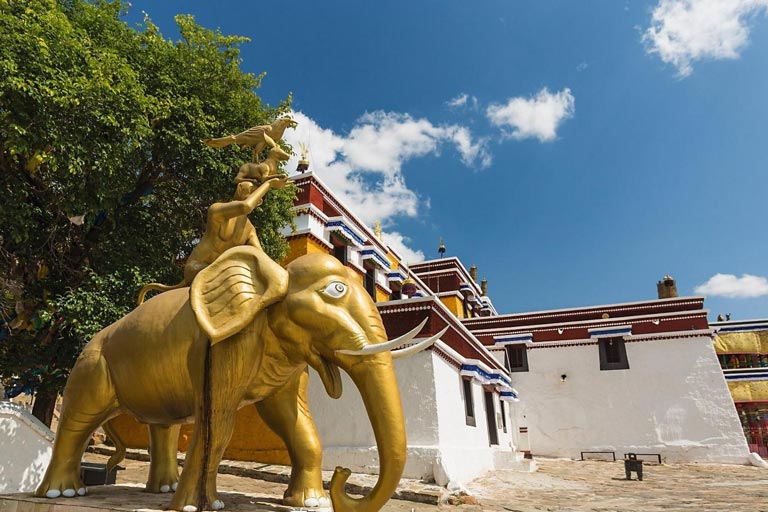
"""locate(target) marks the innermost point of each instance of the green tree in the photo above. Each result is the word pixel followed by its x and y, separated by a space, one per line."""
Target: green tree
pixel 104 178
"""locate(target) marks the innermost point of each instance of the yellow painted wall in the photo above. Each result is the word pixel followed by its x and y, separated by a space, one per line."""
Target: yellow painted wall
pixel 393 263
pixel 454 305
pixel 381 295
pixel 749 391
pixel 754 342
pixel 301 245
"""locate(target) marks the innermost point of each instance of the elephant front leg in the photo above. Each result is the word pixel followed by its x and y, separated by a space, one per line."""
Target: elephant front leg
pixel 197 486
pixel 287 413
pixel 163 452
pixel 216 405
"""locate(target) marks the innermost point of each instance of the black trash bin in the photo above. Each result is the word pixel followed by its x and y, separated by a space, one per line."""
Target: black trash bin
pixel 632 464
pixel 93 473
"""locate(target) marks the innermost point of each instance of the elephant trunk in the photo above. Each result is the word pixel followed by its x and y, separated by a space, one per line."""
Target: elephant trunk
pixel 374 377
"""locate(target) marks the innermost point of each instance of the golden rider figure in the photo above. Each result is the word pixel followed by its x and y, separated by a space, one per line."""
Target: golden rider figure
pixel 227 226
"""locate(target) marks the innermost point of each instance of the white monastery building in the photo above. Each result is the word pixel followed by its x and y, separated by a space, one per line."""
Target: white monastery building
pixel 639 377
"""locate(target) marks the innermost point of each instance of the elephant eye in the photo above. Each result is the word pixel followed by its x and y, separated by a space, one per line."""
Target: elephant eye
pixel 336 289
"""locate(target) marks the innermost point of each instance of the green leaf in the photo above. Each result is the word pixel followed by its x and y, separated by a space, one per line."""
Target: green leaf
pixel 105 121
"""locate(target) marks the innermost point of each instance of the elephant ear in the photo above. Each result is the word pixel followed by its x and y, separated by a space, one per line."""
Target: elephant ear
pixel 228 294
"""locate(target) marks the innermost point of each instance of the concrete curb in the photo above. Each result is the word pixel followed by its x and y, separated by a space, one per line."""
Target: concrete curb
pixel 408 490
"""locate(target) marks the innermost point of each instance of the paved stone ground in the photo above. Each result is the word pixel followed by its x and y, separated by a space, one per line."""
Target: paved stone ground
pixel 564 485
pixel 558 485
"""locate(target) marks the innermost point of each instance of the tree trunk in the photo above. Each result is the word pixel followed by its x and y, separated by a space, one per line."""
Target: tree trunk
pixel 45 402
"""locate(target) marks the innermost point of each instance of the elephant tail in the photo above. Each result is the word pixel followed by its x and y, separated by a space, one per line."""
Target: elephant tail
pixel 158 287
pixel 119 454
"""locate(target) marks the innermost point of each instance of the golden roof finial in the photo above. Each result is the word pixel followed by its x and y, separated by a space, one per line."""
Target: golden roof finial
pixel 303 165
pixel 304 153
pixel 377 229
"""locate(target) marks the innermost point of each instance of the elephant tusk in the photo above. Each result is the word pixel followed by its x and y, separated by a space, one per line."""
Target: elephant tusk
pixel 422 345
pixel 385 347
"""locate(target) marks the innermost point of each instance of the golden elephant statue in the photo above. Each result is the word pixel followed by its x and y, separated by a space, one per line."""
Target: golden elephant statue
pixel 244 332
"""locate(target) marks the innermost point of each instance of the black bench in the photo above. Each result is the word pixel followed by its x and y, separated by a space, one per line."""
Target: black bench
pixel 656 455
pixel 612 454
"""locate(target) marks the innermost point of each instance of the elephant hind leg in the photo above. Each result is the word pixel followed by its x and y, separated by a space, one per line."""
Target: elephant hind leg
pixel 163 451
pixel 89 401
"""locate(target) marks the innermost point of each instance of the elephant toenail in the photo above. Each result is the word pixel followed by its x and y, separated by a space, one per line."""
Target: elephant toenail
pixel 174 486
pixel 68 493
pixel 165 488
pixel 189 508
pixel 311 502
pixel 324 502
pixel 81 491
pixel 217 505
pixel 53 493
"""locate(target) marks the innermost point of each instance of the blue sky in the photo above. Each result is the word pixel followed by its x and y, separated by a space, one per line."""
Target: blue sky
pixel 575 152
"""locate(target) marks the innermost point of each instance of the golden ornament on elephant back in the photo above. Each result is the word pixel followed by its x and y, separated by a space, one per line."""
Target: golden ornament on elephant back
pixel 242 330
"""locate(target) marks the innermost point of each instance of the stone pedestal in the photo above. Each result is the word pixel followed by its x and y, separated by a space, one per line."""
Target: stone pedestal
pixel 25 449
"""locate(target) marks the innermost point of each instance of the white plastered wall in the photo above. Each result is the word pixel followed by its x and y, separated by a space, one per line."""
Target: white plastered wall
pixel 441 446
pixel 345 430
pixel 465 450
pixel 25 449
pixel 673 400
pixel 316 227
pixel 498 354
pixel 302 223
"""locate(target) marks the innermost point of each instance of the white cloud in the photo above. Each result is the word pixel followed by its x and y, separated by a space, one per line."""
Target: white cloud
pixel 459 101
pixel 728 285
pixel 370 183
pixel 383 141
pixel 474 153
pixel 462 100
pixel 364 167
pixel 538 116
pixel 400 244
pixel 683 31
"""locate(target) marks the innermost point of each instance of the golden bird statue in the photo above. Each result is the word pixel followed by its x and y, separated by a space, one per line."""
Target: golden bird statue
pixel 257 137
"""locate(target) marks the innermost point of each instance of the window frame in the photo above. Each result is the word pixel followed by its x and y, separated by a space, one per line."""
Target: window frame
pixel 469 401
pixel 490 414
pixel 338 248
pixel 502 410
pixel 369 281
pixel 621 362
pixel 523 348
